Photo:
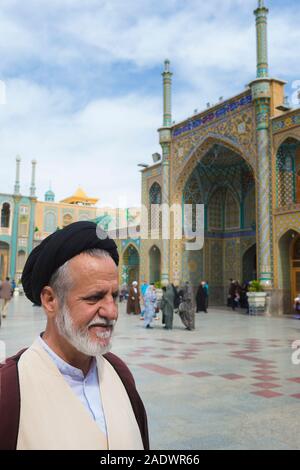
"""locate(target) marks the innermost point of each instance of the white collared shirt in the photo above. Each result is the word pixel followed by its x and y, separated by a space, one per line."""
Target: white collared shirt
pixel 86 388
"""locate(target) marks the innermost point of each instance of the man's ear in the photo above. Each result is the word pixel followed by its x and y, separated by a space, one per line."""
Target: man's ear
pixel 49 301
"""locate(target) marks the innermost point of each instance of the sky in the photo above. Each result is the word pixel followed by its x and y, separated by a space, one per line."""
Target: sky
pixel 84 88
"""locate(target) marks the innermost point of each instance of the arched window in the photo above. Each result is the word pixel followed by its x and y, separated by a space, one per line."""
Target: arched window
pixel 5 215
pixel 215 211
pixel 287 165
pixel 50 222
pixel 67 220
pixel 155 200
pixel 192 196
pixel 249 209
pixel 21 260
pixel 155 194
pixel 232 212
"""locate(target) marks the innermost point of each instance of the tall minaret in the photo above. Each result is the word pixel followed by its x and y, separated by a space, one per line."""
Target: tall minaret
pixel 261 14
pixel 167 85
pixel 165 142
pixel 32 186
pixel 261 95
pixel 17 182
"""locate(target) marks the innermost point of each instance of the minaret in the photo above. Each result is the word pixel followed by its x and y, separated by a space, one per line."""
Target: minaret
pixel 261 14
pixel 32 186
pixel 17 182
pixel 167 85
pixel 261 96
pixel 165 142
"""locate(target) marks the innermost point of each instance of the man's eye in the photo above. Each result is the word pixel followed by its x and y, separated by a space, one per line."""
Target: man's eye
pixel 93 299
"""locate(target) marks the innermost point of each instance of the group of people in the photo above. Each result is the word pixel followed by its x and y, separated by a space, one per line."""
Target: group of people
pixel 172 299
pixel 237 295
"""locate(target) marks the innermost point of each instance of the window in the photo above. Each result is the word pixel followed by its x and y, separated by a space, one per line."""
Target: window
pixel 23 226
pixel 24 210
pixel 155 199
pixel 5 215
pixel 50 222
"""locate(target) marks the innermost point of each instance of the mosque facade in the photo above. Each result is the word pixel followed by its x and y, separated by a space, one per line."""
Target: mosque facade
pixel 240 159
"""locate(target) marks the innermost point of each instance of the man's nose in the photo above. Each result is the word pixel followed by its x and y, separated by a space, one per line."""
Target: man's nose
pixel 108 309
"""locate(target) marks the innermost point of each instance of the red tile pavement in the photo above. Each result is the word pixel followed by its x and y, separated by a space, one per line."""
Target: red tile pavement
pixel 244 351
pixel 160 356
pixel 264 370
pixel 232 376
pixel 267 394
pixel 160 370
pixel 200 374
pixel 165 340
pixel 266 385
pixel 295 379
pixel 205 343
pixel 264 377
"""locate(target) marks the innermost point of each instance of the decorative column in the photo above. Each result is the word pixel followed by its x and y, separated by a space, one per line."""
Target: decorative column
pixel 165 142
pixel 14 236
pixel 261 95
pixel 15 221
pixel 261 14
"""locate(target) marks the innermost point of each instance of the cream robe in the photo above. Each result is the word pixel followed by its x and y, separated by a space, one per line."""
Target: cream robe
pixel 52 417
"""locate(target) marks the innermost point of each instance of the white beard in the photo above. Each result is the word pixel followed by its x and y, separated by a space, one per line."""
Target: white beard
pixel 80 338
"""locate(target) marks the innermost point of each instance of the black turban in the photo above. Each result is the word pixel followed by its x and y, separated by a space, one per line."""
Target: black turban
pixel 58 248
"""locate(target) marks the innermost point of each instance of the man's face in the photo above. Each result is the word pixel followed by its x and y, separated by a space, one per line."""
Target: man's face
pixel 90 311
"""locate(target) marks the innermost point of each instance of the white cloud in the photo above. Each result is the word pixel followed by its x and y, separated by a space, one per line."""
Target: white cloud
pixel 46 47
pixel 97 147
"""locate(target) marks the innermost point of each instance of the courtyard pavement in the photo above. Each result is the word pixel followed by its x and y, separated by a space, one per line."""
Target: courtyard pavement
pixel 230 384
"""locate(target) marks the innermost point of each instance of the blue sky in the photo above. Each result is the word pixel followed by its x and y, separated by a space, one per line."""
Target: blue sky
pixel 83 83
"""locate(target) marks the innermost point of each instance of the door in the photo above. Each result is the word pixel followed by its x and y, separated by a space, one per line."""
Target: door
pixel 295 283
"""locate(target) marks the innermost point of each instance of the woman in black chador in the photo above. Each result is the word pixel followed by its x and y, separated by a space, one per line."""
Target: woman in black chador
pixel 201 298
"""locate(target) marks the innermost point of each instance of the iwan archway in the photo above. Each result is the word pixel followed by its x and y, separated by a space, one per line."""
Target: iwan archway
pixel 224 182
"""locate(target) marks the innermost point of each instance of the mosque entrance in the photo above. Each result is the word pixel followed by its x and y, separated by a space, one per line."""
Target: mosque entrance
pixel 250 265
pixel 155 263
pixel 224 182
pixel 295 268
pixel 131 264
pixel 289 269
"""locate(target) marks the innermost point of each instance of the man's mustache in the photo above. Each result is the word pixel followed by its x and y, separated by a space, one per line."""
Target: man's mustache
pixel 105 322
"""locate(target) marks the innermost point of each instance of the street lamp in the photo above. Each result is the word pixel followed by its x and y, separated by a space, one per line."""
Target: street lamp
pixel 143 165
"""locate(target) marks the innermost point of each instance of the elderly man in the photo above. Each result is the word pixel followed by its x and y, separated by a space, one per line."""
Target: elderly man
pixel 66 391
